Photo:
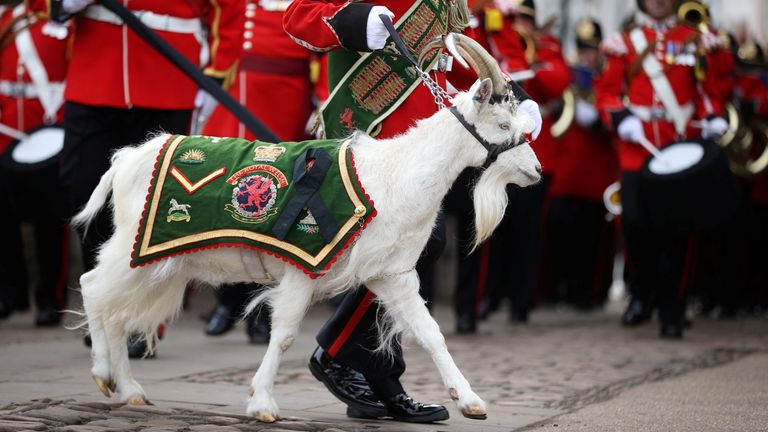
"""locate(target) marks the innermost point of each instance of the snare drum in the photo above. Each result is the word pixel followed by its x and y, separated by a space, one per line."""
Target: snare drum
pixel 690 187
pixel 31 172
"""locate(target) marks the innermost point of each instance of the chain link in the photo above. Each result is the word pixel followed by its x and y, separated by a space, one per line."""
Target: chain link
pixel 439 94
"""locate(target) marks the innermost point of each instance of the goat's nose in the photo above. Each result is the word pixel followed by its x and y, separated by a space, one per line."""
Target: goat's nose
pixel 538 168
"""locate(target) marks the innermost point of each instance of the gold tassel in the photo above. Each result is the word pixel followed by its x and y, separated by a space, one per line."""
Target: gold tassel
pixel 458 15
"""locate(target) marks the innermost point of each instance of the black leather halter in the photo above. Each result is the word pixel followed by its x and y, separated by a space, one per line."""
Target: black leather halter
pixel 494 150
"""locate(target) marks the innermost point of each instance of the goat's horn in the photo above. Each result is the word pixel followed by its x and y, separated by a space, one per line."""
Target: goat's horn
pixel 482 62
pixel 446 42
pixel 450 45
pixel 430 46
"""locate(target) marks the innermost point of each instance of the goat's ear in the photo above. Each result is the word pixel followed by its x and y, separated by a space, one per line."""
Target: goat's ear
pixel 482 92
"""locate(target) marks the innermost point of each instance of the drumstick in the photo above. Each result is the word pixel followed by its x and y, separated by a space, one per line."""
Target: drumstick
pixel 651 148
pixel 13 133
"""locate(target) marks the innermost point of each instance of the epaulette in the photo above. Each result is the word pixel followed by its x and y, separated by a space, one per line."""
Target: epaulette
pixel 614 45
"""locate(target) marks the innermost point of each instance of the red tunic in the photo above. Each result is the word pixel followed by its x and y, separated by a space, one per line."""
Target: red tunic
pixel 273 68
pixel 623 76
pixel 112 66
pixel 307 22
pixel 17 111
pixel 553 76
pixel 587 163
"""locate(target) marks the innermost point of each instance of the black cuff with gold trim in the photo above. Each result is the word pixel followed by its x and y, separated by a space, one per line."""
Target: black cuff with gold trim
pixel 350 24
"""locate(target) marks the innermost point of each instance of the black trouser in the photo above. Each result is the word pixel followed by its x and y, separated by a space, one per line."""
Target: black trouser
pixel 580 245
pixel 472 266
pixel 515 252
pixel 660 258
pixel 236 297
pixel 92 134
pixel 351 335
pixel 51 254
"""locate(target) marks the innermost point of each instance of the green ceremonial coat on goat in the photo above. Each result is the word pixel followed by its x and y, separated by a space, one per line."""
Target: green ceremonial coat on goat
pixel 300 201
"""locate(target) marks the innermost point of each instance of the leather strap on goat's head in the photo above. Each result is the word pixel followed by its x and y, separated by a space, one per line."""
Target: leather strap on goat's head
pixel 494 149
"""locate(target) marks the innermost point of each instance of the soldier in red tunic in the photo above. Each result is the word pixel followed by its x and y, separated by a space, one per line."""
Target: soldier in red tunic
pixel 120 90
pixel 366 382
pixel 273 68
pixel 31 47
pixel 660 68
pixel 512 257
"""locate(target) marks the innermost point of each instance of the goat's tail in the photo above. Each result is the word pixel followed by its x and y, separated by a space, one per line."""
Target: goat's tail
pixel 98 197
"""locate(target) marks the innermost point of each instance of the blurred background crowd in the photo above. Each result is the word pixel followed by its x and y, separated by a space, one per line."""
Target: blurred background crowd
pixel 599 226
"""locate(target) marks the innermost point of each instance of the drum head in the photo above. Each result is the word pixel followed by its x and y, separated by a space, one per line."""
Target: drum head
pixel 676 158
pixel 41 145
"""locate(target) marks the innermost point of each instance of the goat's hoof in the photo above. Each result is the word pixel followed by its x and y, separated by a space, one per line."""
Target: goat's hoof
pixel 104 385
pixel 475 412
pixel 265 417
pixel 138 399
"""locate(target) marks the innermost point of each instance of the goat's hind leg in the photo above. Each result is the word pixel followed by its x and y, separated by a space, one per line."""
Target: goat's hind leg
pixel 401 300
pixel 101 369
pixel 289 302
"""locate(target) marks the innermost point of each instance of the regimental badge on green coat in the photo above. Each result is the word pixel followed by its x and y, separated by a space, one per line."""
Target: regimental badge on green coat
pixel 300 201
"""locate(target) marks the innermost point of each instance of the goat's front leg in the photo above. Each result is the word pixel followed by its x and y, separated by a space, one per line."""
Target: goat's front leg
pixel 289 303
pixel 400 297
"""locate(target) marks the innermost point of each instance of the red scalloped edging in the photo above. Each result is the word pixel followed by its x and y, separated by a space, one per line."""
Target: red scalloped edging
pixel 308 272
pixel 134 253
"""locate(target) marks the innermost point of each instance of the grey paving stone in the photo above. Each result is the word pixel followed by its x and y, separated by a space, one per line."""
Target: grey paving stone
pixel 213 428
pixel 13 426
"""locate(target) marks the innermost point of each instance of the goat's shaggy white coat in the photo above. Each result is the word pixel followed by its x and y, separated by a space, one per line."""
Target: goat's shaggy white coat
pixel 407 178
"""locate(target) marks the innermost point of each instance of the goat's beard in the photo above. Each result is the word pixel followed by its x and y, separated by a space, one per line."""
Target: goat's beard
pixel 490 201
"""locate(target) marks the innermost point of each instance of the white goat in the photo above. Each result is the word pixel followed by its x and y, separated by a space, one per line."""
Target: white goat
pixel 406 176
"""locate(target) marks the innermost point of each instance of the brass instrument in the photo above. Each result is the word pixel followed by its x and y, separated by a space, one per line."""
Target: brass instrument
pixel 695 13
pixel 567 114
pixel 612 198
pixel 748 157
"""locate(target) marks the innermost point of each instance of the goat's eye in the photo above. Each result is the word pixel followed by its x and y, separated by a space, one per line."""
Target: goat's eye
pixel 504 126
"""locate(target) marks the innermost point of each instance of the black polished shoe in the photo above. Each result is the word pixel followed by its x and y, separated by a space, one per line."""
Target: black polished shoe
pixel 403 408
pixel 6 309
pixel 637 313
pixel 347 384
pixel 257 327
pixel 518 316
pixel 137 347
pixel 466 324
pixel 47 317
pixel 671 331
pixel 221 321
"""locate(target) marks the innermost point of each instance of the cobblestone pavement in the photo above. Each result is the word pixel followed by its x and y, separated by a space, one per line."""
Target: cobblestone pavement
pixel 560 362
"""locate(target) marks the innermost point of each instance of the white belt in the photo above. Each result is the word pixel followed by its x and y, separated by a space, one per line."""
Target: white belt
pixel 26 90
pixel 275 5
pixel 150 19
pixel 647 114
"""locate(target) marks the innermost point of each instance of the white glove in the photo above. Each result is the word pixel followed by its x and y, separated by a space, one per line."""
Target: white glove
pixel 714 128
pixel 74 6
pixel 531 109
pixel 204 104
pixel 586 113
pixel 631 129
pixel 375 33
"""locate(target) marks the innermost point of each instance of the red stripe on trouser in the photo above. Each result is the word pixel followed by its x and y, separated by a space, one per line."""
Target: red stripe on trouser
pixel 485 254
pixel 61 283
pixel 351 324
